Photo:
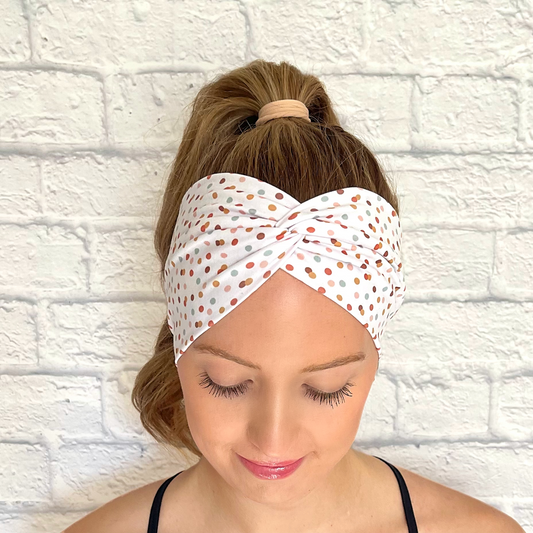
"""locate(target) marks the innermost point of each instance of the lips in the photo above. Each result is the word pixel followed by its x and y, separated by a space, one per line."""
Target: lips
pixel 271 472
pixel 273 465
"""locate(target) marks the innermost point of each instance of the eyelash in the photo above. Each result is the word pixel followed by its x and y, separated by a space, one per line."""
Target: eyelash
pixel 237 390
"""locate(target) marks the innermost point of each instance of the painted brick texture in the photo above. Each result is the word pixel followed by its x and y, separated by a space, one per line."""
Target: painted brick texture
pixel 92 108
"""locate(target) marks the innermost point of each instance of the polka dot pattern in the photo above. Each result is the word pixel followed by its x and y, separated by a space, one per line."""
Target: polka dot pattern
pixel 234 231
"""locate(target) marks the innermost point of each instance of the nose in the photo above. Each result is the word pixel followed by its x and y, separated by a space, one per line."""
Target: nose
pixel 274 426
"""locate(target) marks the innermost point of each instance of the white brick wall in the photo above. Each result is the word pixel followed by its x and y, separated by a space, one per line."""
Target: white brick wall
pixel 92 106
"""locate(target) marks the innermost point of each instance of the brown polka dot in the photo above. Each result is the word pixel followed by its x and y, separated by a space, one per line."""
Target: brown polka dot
pixel 234 242
pixel 260 236
pixel 279 196
pixel 266 274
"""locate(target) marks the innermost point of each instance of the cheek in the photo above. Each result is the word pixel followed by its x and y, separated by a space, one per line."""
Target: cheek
pixel 213 423
pixel 337 428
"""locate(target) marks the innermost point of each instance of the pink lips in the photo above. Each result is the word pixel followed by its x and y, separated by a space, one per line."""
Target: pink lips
pixel 271 470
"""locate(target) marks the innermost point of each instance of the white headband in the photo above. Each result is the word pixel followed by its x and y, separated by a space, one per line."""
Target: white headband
pixel 234 231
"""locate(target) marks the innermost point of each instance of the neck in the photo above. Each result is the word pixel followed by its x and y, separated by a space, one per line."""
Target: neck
pixel 308 500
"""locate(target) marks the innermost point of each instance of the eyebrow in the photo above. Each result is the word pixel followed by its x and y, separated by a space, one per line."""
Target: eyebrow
pixel 340 361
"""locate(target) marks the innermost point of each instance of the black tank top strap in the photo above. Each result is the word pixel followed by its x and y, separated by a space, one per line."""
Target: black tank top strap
pixel 153 522
pixel 406 499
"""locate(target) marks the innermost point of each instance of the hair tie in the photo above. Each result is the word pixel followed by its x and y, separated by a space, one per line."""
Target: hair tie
pixel 282 108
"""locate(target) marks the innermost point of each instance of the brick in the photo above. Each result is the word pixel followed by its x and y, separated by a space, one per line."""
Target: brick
pixel 478 191
pixel 121 418
pixel 143 108
pixel 341 37
pixel 100 334
pixel 445 404
pixel 19 185
pixel 125 260
pixel 450 261
pixel 14 45
pixel 40 256
pixel 442 333
pixel 378 419
pixel 513 262
pixel 465 114
pixel 80 185
pixel 113 32
pixel 51 107
pixel 25 473
pixel 514 408
pixel 376 107
pixel 40 403
pixel 19 327
pixel 430 32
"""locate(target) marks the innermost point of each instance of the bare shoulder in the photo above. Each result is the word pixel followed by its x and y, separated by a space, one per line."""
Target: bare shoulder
pixel 128 513
pixel 440 509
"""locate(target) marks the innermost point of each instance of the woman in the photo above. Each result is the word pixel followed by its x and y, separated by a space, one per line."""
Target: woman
pixel 270 191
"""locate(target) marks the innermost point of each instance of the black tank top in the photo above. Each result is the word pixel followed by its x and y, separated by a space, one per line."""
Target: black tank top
pixel 153 522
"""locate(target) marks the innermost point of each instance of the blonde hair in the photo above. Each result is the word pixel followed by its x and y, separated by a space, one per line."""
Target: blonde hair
pixel 303 158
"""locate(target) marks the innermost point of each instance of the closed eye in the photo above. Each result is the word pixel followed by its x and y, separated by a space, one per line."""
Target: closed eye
pixel 238 390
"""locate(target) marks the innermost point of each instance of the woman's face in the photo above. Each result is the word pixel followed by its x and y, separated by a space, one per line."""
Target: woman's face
pixel 274 414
